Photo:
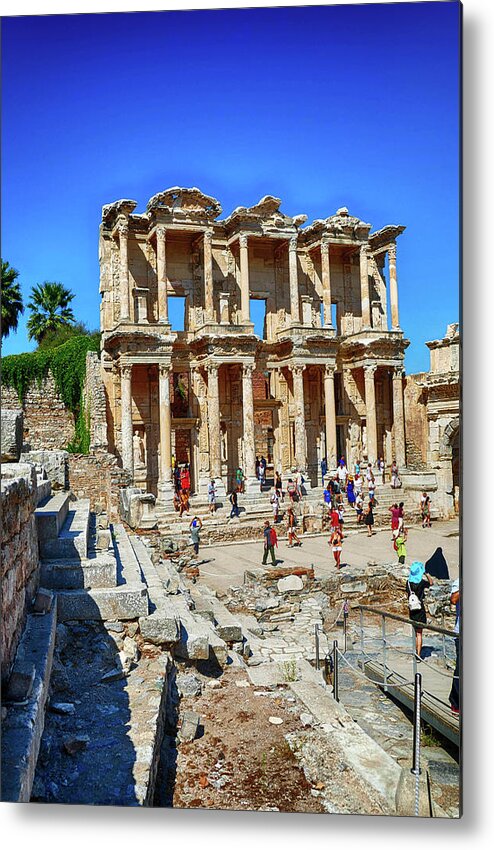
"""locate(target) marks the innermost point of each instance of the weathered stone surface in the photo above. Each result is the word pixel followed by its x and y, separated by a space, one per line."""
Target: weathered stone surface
pixel 161 627
pixel 11 435
pixel 189 727
pixel 288 583
pixel 53 462
pixel 189 685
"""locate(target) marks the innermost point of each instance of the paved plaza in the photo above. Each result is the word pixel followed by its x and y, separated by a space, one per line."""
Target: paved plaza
pixel 225 564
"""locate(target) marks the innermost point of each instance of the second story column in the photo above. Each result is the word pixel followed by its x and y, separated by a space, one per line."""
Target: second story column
pixel 161 274
pixel 399 417
pixel 293 273
pixel 370 412
pixel 126 417
pixel 123 232
pixel 299 421
pixel 393 289
pixel 208 276
pixel 330 416
pixel 326 284
pixel 214 421
pixel 244 278
pixel 364 287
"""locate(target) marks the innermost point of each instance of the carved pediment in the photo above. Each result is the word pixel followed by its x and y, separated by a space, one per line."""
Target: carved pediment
pixel 110 212
pixel 185 203
pixel 265 213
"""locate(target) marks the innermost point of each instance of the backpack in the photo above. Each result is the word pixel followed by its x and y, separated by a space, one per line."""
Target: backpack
pixel 414 603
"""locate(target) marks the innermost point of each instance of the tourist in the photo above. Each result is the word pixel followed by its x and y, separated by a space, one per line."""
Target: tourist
pixel 335 518
pixel 418 581
pixel 341 516
pixel 270 541
pixel 357 468
pixel 291 489
pixel 278 486
pixel 299 480
pixel 327 494
pixel 185 477
pixel 399 545
pixel 381 468
pixel 257 468
pixel 212 496
pixel 292 535
pixel 369 474
pixel 369 519
pixel 342 473
pixel 372 491
pixel 425 509
pixel 395 478
pixel 239 480
pixel 359 507
pixel 184 502
pixel 454 696
pixel 176 476
pixel 324 469
pixel 350 491
pixel 358 483
pixel 275 504
pixel 401 515
pixel 262 470
pixel 176 501
pixel 234 503
pixel 335 541
pixel 395 519
pixel 194 528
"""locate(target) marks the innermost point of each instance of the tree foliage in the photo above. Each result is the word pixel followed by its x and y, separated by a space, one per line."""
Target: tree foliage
pixel 53 339
pixel 12 304
pixel 50 310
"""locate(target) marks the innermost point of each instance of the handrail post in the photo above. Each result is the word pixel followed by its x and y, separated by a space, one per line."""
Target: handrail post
pixel 443 638
pixel 385 657
pixel 316 636
pixel 335 671
pixel 345 620
pixel 417 697
pixel 414 651
pixel 362 630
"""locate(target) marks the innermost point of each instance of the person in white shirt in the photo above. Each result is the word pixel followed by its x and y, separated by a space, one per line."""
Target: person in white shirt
pixel 212 496
pixel 275 504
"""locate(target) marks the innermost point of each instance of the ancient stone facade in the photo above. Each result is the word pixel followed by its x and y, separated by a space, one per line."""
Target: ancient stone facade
pixel 325 378
pixel 432 410
pixel 48 424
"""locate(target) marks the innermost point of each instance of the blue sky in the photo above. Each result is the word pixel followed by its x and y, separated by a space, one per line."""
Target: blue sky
pixel 324 107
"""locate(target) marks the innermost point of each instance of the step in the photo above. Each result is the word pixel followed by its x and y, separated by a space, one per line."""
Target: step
pixel 99 569
pixel 23 726
pixel 127 601
pixel 72 538
pixel 50 516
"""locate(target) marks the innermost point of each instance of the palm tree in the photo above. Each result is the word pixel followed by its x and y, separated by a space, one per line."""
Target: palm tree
pixel 12 305
pixel 49 305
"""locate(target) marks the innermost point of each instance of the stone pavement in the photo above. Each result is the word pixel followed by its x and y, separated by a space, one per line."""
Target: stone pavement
pixel 225 565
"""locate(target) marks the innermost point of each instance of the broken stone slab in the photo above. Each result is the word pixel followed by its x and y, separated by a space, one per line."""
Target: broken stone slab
pixel 130 650
pixel 75 745
pixel 125 602
pixel 20 684
pixel 266 604
pixel 43 601
pixel 54 463
pixel 11 436
pixel 188 685
pixel 160 627
pixel 288 583
pixel 227 625
pixel 189 726
pixel 62 707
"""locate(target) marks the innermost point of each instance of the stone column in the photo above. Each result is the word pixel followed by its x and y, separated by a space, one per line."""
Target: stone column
pixel 165 485
pixel 126 417
pixel 208 276
pixel 364 287
pixel 393 289
pixel 214 422
pixel 161 274
pixel 248 429
pixel 244 278
pixel 399 417
pixel 123 231
pixel 330 415
pixel 370 412
pixel 298 397
pixel 293 273
pixel 326 283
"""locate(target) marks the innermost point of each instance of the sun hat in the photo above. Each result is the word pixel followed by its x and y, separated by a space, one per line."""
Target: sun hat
pixel 417 571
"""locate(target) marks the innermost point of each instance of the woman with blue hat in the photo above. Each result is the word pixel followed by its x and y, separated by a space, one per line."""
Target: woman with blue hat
pixel 418 581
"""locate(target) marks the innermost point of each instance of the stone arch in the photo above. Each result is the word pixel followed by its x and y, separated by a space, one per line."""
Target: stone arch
pixel 449 436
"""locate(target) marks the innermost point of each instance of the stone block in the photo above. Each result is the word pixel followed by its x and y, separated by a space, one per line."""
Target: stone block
pixel 11 435
pixel 288 583
pixel 189 727
pixel 54 463
pixel 125 602
pixel 160 628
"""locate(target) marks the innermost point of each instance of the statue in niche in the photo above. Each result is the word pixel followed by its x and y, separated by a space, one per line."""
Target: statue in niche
pixel 139 449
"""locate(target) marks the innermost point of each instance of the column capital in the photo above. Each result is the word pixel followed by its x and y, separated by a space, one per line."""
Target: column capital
pixel 248 369
pixel 297 369
pixel 243 240
pixel 392 252
pixel 329 370
pixel 398 372
pixel 364 249
pixel 164 369
pixel 293 244
pixel 212 368
pixel 370 369
pixel 126 370
pixel 161 232
pixel 325 243
pixel 208 236
pixel 123 229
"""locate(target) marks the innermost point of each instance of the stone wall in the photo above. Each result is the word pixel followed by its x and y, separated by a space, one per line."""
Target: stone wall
pixel 47 422
pixel 19 554
pixel 417 432
pixel 97 477
pixel 95 398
